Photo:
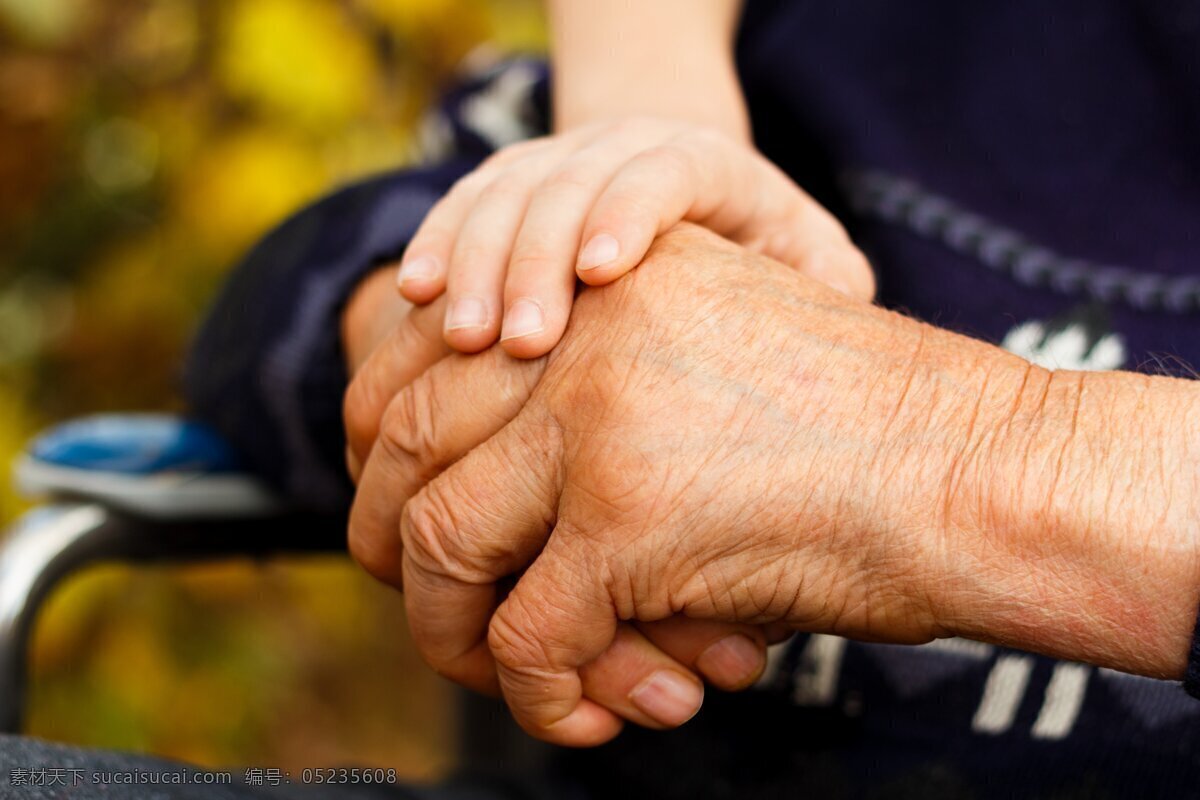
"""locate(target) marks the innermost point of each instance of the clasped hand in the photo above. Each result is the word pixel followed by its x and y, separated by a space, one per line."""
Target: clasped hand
pixel 718 447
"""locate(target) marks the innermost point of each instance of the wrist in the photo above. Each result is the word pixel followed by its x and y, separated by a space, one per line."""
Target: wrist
pixel 711 106
pixel 698 88
pixel 1072 530
pixel 615 102
pixel 670 60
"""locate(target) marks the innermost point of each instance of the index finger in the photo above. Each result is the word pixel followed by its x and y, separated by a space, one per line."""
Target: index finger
pixel 448 410
pixel 413 347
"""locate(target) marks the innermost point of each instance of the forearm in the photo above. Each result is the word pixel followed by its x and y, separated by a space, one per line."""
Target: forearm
pixel 1078 534
pixel 1055 512
pixel 667 58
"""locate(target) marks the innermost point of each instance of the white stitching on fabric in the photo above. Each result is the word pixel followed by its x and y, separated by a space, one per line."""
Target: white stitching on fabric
pixel 891 198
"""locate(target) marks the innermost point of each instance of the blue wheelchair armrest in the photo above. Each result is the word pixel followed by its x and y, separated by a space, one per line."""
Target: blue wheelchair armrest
pixel 153 487
pixel 151 465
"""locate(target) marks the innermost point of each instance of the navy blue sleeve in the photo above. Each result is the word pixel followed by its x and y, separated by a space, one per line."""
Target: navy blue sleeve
pixel 266 369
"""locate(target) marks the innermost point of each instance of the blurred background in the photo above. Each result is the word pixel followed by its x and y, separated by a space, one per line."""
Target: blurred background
pixel 144 144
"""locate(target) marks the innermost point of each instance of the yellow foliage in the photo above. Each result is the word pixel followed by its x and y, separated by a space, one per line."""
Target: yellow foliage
pixel 368 149
pixel 175 133
pixel 16 420
pixel 129 653
pixel 179 122
pixel 244 182
pixel 298 59
pixel 519 28
pixel 407 17
pixel 44 21
pixel 162 42
pixel 71 614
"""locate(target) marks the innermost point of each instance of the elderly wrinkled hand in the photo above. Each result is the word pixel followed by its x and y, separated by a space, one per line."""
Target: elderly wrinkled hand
pixel 651 674
pixel 734 442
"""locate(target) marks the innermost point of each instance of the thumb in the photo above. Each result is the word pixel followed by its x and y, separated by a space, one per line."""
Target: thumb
pixel 431 423
pixel 557 618
pixel 718 183
pixel 842 267
pixel 793 228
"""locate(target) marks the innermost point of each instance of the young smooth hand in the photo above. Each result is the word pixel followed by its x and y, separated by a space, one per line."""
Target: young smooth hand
pixel 507 242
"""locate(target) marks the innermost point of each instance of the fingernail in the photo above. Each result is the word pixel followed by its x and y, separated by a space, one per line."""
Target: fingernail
pixel 524 318
pixel 668 697
pixel 466 312
pixel 421 268
pixel 732 661
pixel 599 251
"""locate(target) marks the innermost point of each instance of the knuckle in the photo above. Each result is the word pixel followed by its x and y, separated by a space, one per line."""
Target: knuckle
pixel 373 388
pixel 512 638
pixel 571 178
pixel 462 188
pixel 499 159
pixel 433 233
pixel 410 338
pixel 673 158
pixel 626 125
pixel 513 152
pixel 407 432
pixel 423 528
pixel 704 140
pixel 624 205
pixel 432 537
pixel 508 188
pixel 533 254
pixel 474 247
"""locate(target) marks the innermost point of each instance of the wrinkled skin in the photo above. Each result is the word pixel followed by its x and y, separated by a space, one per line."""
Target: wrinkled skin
pixel 722 439
pixel 388 345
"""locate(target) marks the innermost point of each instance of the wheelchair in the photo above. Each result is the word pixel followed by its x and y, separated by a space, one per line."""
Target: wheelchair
pixel 142 488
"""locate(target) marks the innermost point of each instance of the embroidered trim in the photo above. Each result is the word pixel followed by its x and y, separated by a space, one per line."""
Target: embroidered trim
pixel 897 200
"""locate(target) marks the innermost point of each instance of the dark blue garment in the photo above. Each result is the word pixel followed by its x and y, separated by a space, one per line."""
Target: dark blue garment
pixel 267 367
pixel 1075 124
pixel 1024 172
